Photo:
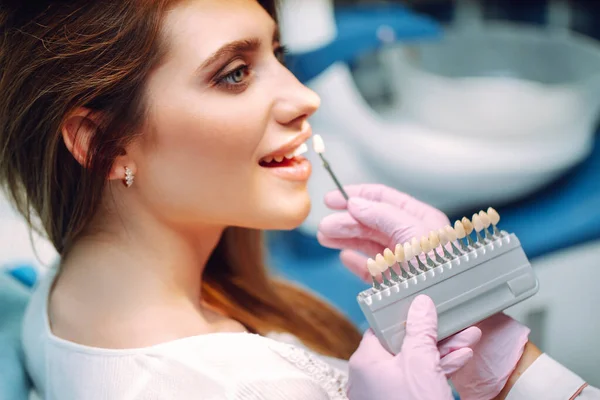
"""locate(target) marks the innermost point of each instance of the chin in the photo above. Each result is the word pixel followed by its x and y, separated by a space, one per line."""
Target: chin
pixel 289 215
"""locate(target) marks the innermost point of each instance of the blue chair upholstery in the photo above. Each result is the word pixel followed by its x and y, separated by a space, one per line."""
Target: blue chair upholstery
pixel 358 32
pixel 14 382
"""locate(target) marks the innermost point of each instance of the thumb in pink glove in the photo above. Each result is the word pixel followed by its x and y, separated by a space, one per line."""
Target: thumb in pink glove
pixel 414 373
pixel 375 217
pixel 494 358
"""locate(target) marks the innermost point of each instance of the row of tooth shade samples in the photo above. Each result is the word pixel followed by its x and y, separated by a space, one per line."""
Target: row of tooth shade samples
pixel 421 255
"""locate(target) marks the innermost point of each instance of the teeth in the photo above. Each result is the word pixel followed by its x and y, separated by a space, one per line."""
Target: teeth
pixel 268 159
pixel 477 223
pixel 485 219
pixel 434 239
pixel 278 158
pixel 381 264
pixel 450 233
pixel 443 236
pixel 301 150
pixel 289 156
pixel 459 228
pixel 425 245
pixel 416 246
pixel 494 216
pixel 408 251
pixel 390 259
pixel 372 267
pixel 468 225
pixel 399 253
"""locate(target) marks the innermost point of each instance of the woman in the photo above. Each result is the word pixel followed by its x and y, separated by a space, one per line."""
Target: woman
pixel 147 140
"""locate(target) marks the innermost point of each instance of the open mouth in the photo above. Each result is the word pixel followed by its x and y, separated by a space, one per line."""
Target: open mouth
pixel 284 160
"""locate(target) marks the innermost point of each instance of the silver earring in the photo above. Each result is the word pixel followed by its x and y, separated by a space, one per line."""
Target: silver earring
pixel 128 177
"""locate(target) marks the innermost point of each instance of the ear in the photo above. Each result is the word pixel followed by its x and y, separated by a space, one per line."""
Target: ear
pixel 77 132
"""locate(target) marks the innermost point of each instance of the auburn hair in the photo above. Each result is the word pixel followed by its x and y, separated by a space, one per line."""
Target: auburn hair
pixel 57 56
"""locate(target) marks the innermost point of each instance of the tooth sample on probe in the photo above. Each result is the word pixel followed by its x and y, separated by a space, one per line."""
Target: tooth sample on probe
pixel 390 260
pixel 485 219
pixel 374 271
pixel 319 148
pixel 478 226
pixel 426 246
pixel 461 234
pixel 434 240
pixel 408 253
pixel 444 241
pixel 468 229
pixel 417 251
pixel 494 218
pixel 382 265
pixel 451 234
pixel 399 255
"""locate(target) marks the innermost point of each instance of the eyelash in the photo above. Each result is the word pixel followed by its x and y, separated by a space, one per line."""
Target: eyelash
pixel 223 81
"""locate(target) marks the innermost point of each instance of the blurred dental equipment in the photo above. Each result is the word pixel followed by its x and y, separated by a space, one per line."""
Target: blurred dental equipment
pixel 319 147
pixel 466 287
pixel 504 107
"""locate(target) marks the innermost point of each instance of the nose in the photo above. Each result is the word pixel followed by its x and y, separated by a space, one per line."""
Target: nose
pixel 295 102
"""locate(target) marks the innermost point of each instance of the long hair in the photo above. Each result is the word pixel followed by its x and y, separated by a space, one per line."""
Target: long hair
pixel 57 56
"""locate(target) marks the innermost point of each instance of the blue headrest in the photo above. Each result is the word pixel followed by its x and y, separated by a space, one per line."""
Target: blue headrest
pixel 359 31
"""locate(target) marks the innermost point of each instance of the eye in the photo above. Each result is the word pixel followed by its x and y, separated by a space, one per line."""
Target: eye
pixel 236 76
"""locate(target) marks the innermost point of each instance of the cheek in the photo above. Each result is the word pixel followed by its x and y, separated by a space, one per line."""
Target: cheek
pixel 202 154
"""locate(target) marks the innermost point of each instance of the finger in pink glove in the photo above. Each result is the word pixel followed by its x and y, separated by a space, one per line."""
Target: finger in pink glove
pixel 494 358
pixel 414 373
pixel 375 217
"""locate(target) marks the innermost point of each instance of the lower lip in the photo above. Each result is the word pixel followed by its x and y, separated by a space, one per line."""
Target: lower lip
pixel 298 170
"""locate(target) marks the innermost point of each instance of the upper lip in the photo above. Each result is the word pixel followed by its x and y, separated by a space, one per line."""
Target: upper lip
pixel 291 146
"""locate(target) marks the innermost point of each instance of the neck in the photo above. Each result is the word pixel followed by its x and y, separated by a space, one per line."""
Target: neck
pixel 140 251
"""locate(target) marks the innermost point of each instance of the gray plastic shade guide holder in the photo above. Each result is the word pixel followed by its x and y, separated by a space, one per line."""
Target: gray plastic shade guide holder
pixel 465 290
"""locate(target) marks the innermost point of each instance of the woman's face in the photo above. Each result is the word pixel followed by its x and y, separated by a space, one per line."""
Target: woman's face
pixel 219 104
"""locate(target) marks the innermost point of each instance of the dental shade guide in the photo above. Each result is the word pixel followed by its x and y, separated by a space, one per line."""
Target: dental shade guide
pixel 487 277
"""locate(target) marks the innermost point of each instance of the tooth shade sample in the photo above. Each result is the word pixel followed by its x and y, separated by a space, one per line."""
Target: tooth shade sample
pixel 494 216
pixel 477 224
pixel 443 236
pixel 318 144
pixel 468 225
pixel 416 247
pixel 381 264
pixel 372 267
pixel 408 252
pixel 425 245
pixel 450 233
pixel 485 219
pixel 390 259
pixel 459 228
pixel 399 253
pixel 434 239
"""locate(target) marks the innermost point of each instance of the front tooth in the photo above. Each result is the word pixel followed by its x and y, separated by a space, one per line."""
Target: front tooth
pixel 289 156
pixel 301 150
pixel 268 159
pixel 279 158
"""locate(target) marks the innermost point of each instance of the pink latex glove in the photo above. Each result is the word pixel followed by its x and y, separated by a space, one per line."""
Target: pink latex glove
pixel 494 358
pixel 418 371
pixel 377 217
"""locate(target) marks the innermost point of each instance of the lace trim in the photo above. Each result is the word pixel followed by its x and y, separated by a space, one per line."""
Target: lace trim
pixel 331 379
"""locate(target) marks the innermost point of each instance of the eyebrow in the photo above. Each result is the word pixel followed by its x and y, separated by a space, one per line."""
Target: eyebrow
pixel 237 47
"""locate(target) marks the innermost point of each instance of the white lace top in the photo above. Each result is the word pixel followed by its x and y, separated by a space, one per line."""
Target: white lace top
pixel 214 366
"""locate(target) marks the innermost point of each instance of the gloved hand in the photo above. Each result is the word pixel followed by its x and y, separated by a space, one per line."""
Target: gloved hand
pixel 417 372
pixel 377 217
pixel 495 358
